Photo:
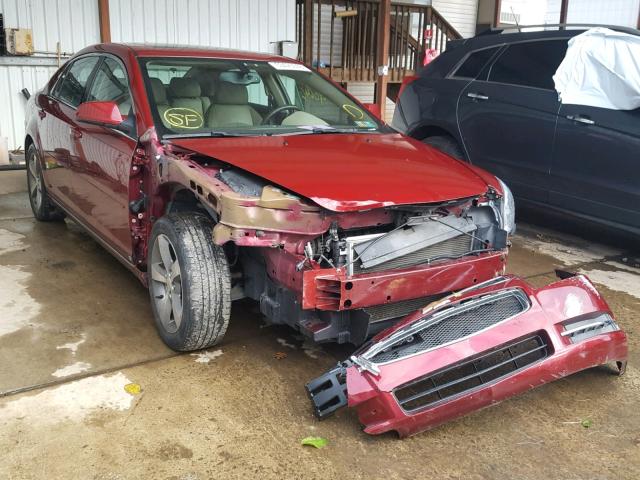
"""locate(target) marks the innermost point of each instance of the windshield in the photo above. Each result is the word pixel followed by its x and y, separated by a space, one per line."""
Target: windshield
pixel 218 97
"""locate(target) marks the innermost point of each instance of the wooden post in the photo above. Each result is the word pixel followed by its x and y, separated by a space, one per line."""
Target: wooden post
pixel 384 29
pixel 103 18
pixel 564 10
pixel 308 33
pixel 496 13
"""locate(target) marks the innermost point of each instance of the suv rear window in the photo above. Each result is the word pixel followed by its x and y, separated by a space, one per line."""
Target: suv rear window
pixel 474 63
pixel 531 64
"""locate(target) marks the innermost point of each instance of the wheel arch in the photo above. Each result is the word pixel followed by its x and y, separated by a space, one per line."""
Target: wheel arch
pixel 430 130
pixel 173 197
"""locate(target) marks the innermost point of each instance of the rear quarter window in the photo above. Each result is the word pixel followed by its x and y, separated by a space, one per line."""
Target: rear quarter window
pixel 474 63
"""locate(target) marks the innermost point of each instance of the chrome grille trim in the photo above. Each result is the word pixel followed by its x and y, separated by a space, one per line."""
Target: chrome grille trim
pixel 379 353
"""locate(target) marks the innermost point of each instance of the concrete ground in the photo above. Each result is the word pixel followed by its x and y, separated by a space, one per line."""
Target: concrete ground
pixel 76 328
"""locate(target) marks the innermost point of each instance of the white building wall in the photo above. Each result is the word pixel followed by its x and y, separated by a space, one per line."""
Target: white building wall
pixel 73 23
pixel 12 103
pixel 241 24
pixel 611 12
pixel 461 14
pixel 608 12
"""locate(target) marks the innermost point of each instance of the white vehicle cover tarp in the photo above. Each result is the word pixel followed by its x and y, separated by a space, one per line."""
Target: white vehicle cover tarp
pixel 601 69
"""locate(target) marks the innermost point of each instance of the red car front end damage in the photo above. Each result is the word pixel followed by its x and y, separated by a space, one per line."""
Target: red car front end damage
pixel 338 269
pixel 471 350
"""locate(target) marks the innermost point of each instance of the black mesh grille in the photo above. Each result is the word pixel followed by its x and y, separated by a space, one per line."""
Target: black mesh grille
pixel 472 373
pixel 455 247
pixel 379 313
pixel 458 322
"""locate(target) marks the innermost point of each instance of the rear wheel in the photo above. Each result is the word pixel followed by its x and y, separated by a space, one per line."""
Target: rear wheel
pixel 447 145
pixel 189 282
pixel 41 205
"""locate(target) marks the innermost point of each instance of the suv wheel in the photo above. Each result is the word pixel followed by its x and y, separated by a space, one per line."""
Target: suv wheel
pixel 41 206
pixel 447 145
pixel 189 282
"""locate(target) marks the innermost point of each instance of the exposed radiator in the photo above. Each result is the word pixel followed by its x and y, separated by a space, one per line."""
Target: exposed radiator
pixel 455 247
pixel 473 373
pixel 457 322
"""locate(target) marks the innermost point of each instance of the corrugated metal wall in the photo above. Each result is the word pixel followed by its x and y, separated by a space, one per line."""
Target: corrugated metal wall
pixel 51 22
pixel 12 102
pixel 73 23
pixel 241 24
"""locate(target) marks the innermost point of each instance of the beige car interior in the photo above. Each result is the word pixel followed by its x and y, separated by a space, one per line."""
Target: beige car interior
pixel 231 107
pixel 220 104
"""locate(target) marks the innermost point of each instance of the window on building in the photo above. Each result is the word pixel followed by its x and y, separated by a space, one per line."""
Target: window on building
pixel 70 88
pixel 474 63
pixel 530 64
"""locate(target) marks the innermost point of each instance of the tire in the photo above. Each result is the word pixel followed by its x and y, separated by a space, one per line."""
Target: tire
pixel 447 145
pixel 41 205
pixel 191 309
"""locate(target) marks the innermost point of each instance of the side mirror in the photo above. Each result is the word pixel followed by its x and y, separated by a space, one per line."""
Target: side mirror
pixel 373 108
pixel 100 113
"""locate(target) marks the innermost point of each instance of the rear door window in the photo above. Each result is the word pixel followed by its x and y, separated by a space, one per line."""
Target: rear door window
pixel 530 64
pixel 474 63
pixel 70 89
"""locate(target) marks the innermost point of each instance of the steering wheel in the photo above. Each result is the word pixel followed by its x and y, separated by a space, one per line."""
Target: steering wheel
pixel 276 111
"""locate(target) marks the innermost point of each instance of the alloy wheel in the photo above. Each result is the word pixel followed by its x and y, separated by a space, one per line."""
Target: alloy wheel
pixel 166 283
pixel 35 182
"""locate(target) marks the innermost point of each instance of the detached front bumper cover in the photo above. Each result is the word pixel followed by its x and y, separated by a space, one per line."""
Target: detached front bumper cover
pixel 470 350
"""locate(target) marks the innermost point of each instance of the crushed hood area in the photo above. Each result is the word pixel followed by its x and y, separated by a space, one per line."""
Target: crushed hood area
pixel 348 172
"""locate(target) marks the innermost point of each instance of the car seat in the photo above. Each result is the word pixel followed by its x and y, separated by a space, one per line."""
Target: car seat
pixel 231 107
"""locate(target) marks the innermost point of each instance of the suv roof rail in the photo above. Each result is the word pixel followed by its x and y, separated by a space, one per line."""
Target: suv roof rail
pixel 562 26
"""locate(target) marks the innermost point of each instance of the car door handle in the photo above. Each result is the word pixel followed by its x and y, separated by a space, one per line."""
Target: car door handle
pixel 477 96
pixel 581 119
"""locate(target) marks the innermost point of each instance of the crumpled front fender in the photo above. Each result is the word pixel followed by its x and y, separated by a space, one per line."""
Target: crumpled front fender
pixel 474 349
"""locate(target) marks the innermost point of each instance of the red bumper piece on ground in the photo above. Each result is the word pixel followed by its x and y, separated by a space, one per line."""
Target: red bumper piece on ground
pixel 471 350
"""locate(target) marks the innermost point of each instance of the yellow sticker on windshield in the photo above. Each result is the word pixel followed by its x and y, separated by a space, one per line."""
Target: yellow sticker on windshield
pixel 183 118
pixel 354 111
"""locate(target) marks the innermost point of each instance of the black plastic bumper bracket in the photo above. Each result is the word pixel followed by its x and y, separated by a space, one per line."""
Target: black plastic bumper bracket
pixel 328 392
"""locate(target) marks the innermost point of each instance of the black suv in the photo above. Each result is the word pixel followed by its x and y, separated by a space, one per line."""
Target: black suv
pixel 491 100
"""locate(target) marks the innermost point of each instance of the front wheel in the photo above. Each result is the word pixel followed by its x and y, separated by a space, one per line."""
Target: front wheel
pixel 189 282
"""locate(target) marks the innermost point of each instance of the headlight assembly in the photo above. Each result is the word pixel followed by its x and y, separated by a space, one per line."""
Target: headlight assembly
pixel 507 209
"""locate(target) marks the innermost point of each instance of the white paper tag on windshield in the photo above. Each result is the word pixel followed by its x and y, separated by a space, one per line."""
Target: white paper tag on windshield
pixel 289 66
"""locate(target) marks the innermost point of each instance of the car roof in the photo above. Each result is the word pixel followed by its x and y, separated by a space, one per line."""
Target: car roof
pixel 159 50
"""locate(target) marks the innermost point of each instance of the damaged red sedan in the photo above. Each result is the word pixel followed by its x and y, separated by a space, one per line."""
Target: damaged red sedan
pixel 217 175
